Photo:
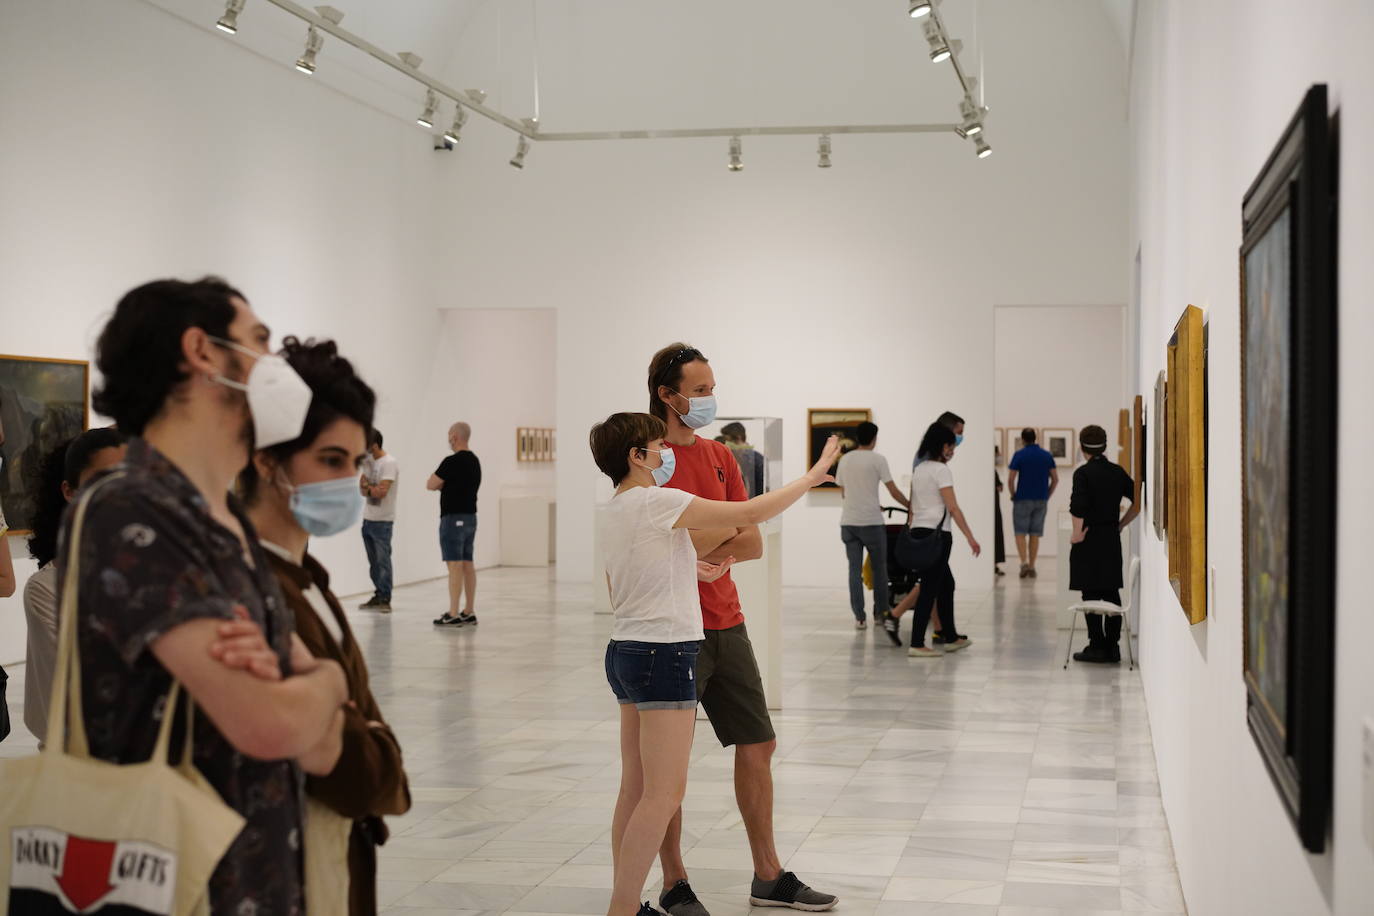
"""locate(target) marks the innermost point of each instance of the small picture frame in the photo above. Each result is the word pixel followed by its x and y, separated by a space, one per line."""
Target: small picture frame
pixel 1059 442
pixel 1014 443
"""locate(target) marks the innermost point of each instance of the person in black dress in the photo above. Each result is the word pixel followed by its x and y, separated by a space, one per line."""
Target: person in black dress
pixel 1095 557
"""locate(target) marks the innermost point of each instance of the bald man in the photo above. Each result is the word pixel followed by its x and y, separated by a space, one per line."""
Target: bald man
pixel 457 479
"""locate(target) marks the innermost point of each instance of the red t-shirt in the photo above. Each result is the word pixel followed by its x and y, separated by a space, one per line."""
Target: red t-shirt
pixel 708 469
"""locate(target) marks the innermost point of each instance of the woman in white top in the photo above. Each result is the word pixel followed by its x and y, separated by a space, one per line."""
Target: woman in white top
pixel 64 470
pixel 933 508
pixel 652 571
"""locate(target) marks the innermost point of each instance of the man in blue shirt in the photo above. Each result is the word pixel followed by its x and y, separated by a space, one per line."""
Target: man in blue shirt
pixel 1032 479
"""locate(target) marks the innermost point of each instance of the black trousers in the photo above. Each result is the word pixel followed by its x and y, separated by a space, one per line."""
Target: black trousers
pixel 1103 631
pixel 937 584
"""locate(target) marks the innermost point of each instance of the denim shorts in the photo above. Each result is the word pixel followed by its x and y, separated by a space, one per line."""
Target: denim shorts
pixel 1028 517
pixel 456 535
pixel 653 675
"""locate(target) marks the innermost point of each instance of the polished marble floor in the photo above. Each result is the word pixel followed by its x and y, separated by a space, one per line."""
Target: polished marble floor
pixel 987 783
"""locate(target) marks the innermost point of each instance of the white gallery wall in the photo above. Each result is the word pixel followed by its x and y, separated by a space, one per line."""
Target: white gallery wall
pixel 1056 366
pixel 1214 84
pixel 494 370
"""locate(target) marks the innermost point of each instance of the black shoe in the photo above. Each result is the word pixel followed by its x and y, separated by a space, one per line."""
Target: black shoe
pixel 1094 655
pixel 447 621
pixel 382 606
pixel 466 619
pixel 892 626
pixel 369 603
pixel 788 891
pixel 681 900
pixel 646 910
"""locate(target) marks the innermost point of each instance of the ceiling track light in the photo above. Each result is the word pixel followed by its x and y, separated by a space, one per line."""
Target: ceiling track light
pixel 736 155
pixel 426 118
pixel 229 22
pixel 313 42
pixel 823 152
pixel 918 8
pixel 971 118
pixel 939 46
pixel 522 146
pixel 453 134
pixel 980 146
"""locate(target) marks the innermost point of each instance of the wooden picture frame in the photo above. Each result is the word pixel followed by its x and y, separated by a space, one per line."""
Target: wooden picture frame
pixel 822 422
pixel 999 439
pixel 1125 439
pixel 43 403
pixel 1288 467
pixel 534 444
pixel 1059 441
pixel 1187 422
pixel 1014 443
pixel 1138 446
pixel 1159 494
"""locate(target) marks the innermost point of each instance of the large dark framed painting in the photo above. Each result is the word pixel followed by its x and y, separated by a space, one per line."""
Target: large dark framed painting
pixel 42 405
pixel 823 422
pixel 1288 385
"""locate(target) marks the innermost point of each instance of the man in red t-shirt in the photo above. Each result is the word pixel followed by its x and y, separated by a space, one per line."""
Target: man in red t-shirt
pixel 729 687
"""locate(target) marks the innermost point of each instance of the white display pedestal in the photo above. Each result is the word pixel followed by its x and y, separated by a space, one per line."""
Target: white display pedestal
pixel 14 630
pixel 760 594
pixel 527 530
pixel 1063 597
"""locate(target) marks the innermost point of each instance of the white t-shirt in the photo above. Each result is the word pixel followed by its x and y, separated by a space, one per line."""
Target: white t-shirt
pixel 377 470
pixel 652 567
pixel 862 472
pixel 927 505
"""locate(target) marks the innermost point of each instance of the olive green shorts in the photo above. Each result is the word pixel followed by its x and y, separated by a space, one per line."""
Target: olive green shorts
pixel 730 688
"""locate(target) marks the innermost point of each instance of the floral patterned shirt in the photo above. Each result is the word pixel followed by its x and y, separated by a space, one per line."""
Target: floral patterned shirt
pixel 151 559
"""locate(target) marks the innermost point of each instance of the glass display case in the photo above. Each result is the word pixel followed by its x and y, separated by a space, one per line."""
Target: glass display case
pixel 757 445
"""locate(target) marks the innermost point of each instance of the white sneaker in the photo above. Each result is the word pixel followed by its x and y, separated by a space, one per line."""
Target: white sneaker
pixel 861 625
pixel 957 644
pixel 923 652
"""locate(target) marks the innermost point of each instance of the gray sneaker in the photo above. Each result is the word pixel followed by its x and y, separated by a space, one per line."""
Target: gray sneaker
pixel 681 900
pixel 788 891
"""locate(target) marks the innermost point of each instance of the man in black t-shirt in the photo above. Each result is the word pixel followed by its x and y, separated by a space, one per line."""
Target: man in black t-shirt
pixel 457 479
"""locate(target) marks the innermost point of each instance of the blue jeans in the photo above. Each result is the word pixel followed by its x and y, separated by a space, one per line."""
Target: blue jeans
pixel 377 542
pixel 874 538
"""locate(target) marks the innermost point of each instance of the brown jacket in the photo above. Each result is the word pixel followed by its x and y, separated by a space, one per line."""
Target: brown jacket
pixel 370 778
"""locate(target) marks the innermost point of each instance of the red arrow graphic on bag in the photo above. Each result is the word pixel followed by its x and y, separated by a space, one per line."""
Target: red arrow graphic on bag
pixel 85 874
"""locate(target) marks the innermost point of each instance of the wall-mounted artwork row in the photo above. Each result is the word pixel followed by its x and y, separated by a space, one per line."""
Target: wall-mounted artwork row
pixel 42 405
pixel 535 444
pixel 1288 466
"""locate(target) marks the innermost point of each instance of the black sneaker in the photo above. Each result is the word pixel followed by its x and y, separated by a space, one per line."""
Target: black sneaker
pixel 680 900
pixel 892 626
pixel 788 891
pixel 646 910
pixel 447 621
pixel 369 603
pixel 466 619
pixel 1095 655
pixel 383 607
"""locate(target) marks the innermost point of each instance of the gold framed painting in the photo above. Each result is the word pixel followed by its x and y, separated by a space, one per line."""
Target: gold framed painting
pixel 823 422
pixel 43 403
pixel 1125 439
pixel 1187 450
pixel 1159 493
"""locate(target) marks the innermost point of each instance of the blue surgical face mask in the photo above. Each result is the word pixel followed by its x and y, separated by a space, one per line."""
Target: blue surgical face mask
pixel 958 439
pixel 664 472
pixel 327 507
pixel 700 411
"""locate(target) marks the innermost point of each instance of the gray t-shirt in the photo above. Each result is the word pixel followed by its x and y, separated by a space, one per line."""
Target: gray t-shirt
pixel 861 473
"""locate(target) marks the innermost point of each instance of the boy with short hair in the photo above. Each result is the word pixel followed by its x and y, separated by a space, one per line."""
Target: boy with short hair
pixel 1099 486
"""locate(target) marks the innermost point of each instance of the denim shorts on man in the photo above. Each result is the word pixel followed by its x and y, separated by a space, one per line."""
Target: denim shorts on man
pixel 653 675
pixel 1028 517
pixel 456 536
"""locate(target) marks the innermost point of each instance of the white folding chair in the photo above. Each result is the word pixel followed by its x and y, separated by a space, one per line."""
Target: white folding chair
pixel 1107 609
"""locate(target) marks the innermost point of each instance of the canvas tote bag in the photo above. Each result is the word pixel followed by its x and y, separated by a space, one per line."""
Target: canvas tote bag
pixel 326 859
pixel 79 835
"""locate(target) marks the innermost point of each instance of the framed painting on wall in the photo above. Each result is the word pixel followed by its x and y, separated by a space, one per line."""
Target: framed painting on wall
pixel 43 404
pixel 1014 443
pixel 1125 439
pixel 1159 496
pixel 1138 446
pixel 1288 463
pixel 1059 442
pixel 823 422
pixel 999 442
pixel 1187 421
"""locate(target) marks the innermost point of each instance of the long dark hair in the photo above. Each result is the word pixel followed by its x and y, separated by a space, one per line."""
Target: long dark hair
pixel 934 441
pixel 336 391
pixel 63 464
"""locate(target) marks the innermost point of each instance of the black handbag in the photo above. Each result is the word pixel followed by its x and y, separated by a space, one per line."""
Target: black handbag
pixel 919 552
pixel 4 709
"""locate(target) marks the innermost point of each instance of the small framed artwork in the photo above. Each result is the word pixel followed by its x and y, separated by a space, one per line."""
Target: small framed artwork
pixel 823 422
pixel 1014 442
pixel 1159 494
pixel 1059 443
pixel 1289 387
pixel 534 444
pixel 43 404
pixel 1137 469
pixel 999 445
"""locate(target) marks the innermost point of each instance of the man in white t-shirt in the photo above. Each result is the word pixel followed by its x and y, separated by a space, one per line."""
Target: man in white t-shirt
pixel 862 525
pixel 378 483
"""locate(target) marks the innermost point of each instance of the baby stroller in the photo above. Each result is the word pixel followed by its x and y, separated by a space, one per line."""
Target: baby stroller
pixel 900 580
